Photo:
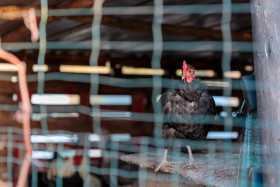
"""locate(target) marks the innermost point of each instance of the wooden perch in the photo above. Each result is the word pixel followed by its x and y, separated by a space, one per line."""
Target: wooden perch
pixel 212 170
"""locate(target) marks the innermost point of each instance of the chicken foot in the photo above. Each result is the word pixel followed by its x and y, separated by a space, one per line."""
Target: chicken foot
pixel 164 160
pixel 190 164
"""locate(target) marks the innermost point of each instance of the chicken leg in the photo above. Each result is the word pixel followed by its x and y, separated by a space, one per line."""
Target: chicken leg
pixel 164 160
pixel 190 164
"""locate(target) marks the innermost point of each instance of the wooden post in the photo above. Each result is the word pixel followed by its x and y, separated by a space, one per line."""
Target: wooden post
pixel 266 36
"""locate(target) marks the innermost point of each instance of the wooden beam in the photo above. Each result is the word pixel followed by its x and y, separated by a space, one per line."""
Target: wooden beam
pixel 81 59
pixel 22 33
pixel 131 25
pixel 168 29
pixel 78 4
pixel 266 25
pixel 12 13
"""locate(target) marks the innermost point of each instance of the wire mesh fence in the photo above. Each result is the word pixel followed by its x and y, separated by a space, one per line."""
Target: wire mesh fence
pixel 128 157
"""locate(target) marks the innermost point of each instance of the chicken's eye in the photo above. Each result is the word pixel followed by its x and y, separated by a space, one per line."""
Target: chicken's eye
pixel 190 71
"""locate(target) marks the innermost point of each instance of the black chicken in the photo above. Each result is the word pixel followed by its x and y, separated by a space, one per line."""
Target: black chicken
pixel 187 107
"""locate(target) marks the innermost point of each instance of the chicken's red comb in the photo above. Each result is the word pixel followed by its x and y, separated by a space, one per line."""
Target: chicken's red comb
pixel 185 66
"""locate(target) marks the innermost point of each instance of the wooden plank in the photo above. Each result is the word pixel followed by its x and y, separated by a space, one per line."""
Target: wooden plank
pixel 166 180
pixel 215 172
pixel 266 26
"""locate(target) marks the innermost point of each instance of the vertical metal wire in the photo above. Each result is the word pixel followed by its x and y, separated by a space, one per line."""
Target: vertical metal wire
pixel 34 182
pixel 87 145
pixel 59 165
pixel 34 169
pixel 114 154
pixel 176 156
pixel 226 59
pixel 41 62
pixel 94 78
pixel 211 147
pixel 156 59
pixel 10 155
pixel 142 175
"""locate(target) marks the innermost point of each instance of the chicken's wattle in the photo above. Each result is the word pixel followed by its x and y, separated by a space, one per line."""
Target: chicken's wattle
pixel 189 79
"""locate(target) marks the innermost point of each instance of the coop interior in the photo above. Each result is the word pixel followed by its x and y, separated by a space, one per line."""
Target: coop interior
pixel 95 71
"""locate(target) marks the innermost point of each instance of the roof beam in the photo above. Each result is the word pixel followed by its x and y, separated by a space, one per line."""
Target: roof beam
pixel 167 29
pixel 113 21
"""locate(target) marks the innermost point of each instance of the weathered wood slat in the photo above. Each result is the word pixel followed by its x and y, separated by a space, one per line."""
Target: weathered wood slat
pixel 266 26
pixel 213 170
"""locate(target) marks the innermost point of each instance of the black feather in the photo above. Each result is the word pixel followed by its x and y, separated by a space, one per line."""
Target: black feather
pixel 185 108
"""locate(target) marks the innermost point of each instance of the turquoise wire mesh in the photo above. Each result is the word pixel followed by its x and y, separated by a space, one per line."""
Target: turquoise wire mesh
pixel 114 150
pixel 251 150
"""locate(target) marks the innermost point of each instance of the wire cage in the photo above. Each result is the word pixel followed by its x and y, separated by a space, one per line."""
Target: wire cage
pixel 95 71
